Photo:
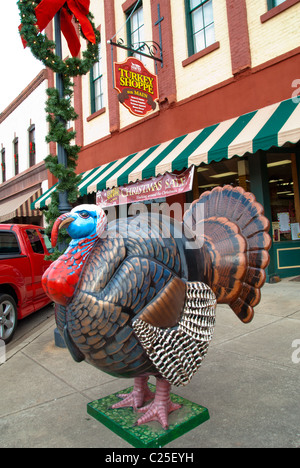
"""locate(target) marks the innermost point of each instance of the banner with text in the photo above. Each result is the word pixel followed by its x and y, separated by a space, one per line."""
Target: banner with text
pixel 156 187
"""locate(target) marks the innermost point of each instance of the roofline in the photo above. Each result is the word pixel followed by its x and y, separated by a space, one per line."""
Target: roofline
pixel 42 76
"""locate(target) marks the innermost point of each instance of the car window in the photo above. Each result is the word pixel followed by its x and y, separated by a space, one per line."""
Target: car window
pixel 9 243
pixel 35 241
pixel 47 241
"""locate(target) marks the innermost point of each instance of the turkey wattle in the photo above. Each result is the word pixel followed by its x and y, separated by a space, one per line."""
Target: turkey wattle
pixel 139 294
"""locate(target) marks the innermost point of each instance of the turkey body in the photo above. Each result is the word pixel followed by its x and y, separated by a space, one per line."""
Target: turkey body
pixel 137 271
pixel 140 297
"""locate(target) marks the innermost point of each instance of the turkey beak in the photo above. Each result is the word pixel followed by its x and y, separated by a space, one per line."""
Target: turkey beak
pixel 62 222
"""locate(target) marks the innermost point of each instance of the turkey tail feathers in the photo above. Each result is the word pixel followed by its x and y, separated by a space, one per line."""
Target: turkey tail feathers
pixel 235 244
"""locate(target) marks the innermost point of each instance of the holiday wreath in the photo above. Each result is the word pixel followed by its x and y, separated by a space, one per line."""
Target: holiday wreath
pixel 35 16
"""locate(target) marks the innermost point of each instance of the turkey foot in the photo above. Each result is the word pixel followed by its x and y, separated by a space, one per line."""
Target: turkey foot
pixel 161 407
pixel 140 394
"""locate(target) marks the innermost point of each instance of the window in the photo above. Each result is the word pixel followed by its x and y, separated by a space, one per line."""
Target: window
pixel 97 95
pixel 35 241
pixel 135 28
pixel 200 25
pixel 8 243
pixel 3 168
pixel 47 241
pixel 16 155
pixel 274 3
pixel 31 132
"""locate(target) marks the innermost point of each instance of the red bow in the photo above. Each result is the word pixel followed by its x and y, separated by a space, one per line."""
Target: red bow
pixel 46 11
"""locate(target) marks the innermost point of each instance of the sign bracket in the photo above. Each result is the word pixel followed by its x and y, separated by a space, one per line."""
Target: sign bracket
pixel 148 49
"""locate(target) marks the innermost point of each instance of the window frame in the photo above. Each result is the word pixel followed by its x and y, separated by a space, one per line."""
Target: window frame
pixel 93 82
pixel 3 165
pixel 271 4
pixel 16 155
pixel 189 27
pixel 129 31
pixel 32 153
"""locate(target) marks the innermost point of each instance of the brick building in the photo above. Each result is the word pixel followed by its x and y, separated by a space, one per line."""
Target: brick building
pixel 23 176
pixel 229 94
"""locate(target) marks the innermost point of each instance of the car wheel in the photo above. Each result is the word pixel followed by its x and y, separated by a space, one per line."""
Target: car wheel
pixel 8 317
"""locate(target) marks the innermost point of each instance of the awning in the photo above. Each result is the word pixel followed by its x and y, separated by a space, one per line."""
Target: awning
pixel 19 206
pixel 270 126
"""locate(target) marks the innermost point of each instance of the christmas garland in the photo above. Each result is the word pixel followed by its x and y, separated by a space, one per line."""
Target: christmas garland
pixel 59 109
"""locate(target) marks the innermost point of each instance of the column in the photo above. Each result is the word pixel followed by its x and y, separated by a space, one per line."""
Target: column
pixel 296 180
pixel 259 182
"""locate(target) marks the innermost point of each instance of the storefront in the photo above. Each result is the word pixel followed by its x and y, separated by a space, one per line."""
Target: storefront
pixel 259 151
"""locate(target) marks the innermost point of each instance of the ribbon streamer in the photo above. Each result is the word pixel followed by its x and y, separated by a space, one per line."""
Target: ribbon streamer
pixel 46 11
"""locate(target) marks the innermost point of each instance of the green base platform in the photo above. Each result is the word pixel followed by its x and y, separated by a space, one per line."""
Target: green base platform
pixel 150 435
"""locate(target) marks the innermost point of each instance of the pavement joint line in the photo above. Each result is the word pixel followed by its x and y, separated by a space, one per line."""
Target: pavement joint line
pixel 52 373
pixel 258 358
pixel 29 408
pixel 246 333
pixel 40 329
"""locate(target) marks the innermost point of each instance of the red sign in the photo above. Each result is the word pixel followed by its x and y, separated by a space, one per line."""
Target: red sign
pixel 156 187
pixel 137 86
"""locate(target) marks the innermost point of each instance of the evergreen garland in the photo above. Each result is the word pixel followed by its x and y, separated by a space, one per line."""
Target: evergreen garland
pixel 59 109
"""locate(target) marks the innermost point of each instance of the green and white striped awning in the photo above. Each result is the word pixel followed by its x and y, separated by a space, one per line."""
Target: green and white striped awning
pixel 270 126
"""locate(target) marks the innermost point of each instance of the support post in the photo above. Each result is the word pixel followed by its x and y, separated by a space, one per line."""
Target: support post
pixel 64 205
pixel 259 181
pixel 296 180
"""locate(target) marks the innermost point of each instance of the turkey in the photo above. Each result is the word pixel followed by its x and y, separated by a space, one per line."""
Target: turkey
pixel 137 297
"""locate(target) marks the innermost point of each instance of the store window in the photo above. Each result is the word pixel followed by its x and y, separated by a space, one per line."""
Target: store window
pixel 200 25
pixel 282 194
pixel 97 94
pixel 135 28
pixel 226 172
pixel 3 167
pixel 16 155
pixel 31 135
pixel 274 3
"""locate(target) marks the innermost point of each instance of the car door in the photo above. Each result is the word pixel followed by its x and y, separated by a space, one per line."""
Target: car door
pixel 38 264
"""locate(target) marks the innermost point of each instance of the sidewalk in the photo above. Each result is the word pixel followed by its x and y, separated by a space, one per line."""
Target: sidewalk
pixel 248 382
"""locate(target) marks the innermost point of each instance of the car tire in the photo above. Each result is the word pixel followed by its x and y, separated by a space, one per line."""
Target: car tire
pixel 8 317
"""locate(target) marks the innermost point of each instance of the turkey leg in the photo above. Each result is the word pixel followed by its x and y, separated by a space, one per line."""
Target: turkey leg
pixel 161 407
pixel 140 394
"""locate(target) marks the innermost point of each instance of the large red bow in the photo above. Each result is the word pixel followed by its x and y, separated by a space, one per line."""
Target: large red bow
pixel 47 9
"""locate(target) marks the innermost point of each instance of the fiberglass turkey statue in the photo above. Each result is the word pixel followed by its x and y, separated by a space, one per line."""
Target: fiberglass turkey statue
pixel 140 293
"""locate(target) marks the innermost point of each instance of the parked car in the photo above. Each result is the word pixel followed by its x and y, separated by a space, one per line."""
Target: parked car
pixel 22 264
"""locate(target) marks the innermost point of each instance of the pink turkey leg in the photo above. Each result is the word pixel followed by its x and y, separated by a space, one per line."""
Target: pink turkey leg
pixel 137 397
pixel 161 407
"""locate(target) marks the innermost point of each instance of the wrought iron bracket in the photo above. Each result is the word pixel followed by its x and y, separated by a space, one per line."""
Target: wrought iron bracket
pixel 153 48
pixel 149 49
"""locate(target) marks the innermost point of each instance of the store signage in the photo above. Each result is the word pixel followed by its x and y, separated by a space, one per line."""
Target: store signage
pixel 156 187
pixel 137 86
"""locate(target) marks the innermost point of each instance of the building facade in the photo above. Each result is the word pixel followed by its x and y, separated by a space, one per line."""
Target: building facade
pixel 23 176
pixel 229 95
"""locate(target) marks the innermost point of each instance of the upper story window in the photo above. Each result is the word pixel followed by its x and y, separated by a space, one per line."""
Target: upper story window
pixel 16 155
pixel 274 3
pixel 200 25
pixel 97 94
pixel 135 28
pixel 31 138
pixel 3 168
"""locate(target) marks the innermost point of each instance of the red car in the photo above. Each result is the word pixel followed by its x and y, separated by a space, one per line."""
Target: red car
pixel 22 265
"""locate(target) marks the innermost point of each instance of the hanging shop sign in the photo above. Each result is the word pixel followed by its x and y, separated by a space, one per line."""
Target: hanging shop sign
pixel 156 187
pixel 137 86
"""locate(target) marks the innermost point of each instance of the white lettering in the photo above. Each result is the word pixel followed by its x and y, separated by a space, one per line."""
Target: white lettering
pixel 296 354
pixel 2 352
pixel 296 93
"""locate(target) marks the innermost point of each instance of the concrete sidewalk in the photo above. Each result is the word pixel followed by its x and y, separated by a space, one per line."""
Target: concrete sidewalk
pixel 249 381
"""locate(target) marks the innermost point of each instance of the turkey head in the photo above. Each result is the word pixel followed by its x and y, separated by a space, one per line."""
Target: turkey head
pixel 84 224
